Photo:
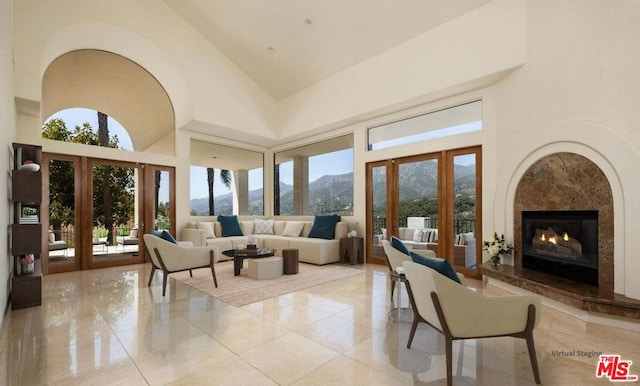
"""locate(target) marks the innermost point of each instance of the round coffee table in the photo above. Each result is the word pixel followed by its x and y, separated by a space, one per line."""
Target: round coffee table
pixel 240 254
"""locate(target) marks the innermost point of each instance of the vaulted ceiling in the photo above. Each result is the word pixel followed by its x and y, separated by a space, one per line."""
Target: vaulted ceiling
pixel 288 45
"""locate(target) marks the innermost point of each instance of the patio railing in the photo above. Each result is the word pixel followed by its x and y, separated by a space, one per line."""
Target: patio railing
pixel 459 225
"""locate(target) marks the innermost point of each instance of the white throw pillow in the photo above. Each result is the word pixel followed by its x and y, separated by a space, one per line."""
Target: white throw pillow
pixel 408 234
pixel 263 227
pixel 417 236
pixel 430 235
pixel 293 228
pixel 207 228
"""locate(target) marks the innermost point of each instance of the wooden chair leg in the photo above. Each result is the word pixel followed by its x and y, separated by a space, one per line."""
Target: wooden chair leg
pixel 153 271
pixel 164 282
pixel 448 343
pixel 528 334
pixel 416 314
pixel 190 273
pixel 393 287
pixel 213 270
pixel 414 326
pixel 165 272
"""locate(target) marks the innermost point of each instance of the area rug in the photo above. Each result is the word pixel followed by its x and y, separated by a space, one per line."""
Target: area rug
pixel 242 290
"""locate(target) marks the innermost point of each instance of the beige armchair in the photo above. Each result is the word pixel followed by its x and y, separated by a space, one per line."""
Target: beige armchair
pixel 170 258
pixel 395 258
pixel 460 313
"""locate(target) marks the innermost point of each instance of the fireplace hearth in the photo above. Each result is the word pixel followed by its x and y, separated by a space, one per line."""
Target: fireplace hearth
pixel 561 243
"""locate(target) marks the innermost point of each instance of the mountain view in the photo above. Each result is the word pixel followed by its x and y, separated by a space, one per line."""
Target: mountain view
pixel 419 180
pixel 327 194
pixel 334 193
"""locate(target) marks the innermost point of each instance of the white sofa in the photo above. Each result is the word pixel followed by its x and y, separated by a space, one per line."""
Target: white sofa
pixel 310 250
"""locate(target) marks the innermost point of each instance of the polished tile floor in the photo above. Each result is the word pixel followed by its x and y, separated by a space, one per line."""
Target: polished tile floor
pixel 105 327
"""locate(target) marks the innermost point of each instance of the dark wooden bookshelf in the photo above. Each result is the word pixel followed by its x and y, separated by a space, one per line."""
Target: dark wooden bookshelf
pixel 26 238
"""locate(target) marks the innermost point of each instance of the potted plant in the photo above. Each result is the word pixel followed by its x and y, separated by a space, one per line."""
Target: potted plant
pixel 496 248
pixel 26 264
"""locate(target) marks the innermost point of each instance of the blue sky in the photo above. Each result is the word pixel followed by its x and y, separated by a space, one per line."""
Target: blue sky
pixel 340 162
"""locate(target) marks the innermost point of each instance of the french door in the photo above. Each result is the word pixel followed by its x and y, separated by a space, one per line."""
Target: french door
pixel 99 210
pixel 410 197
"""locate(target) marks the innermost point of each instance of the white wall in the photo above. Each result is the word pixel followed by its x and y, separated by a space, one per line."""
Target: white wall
pixel 7 136
pixel 489 40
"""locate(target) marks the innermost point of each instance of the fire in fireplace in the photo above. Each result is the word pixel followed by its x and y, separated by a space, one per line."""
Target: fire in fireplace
pixel 562 243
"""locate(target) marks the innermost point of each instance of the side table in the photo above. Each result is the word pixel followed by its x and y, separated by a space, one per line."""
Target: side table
pixel 290 257
pixel 352 248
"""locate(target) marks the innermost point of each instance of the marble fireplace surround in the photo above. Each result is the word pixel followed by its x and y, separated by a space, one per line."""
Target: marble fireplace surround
pixel 568 181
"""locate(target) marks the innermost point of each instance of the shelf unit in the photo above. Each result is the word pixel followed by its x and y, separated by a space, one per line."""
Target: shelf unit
pixel 26 231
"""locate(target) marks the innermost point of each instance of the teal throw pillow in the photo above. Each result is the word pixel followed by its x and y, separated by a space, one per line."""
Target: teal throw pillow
pixel 230 226
pixel 399 245
pixel 167 236
pixel 324 227
pixel 441 265
pixel 156 233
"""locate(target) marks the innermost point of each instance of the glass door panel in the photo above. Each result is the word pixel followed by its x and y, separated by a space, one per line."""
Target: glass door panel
pixel 114 208
pixel 418 203
pixel 158 198
pixel 377 211
pixel 464 203
pixel 61 176
pixel 162 208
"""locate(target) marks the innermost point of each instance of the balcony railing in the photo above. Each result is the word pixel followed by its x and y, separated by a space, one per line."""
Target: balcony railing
pixel 66 232
pixel 459 225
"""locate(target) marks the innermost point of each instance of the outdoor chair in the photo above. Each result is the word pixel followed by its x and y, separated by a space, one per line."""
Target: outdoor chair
pixel 460 313
pixel 130 240
pixel 171 257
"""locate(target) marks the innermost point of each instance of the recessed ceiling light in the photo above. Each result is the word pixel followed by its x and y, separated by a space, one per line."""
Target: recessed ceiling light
pixel 308 23
pixel 271 50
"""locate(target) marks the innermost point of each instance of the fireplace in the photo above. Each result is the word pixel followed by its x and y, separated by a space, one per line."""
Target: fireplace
pixel 575 185
pixel 561 243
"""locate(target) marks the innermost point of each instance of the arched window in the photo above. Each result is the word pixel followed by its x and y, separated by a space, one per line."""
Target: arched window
pixel 76 124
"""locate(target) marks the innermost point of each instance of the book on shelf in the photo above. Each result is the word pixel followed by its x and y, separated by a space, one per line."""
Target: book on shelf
pixel 29 220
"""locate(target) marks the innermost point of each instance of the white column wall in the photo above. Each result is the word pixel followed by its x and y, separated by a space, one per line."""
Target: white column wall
pixel 7 136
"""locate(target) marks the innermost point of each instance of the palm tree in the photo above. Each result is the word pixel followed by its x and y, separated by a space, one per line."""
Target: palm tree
pixel 225 177
pixel 103 140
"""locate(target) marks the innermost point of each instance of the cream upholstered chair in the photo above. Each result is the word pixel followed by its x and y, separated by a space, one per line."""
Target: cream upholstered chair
pixel 460 313
pixel 170 258
pixel 395 258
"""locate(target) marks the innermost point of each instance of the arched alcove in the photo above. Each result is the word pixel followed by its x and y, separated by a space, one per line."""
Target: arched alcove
pixel 116 86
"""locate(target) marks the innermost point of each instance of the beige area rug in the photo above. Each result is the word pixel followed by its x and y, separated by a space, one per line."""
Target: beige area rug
pixel 241 290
